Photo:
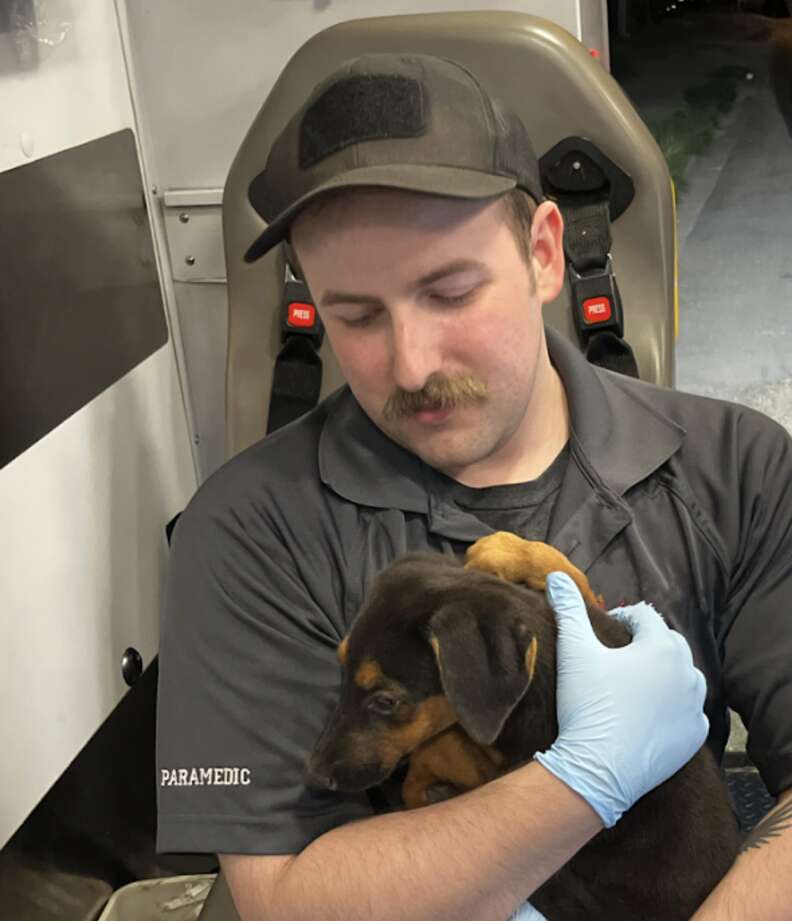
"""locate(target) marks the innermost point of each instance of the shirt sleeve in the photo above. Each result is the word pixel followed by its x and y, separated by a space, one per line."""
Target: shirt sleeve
pixel 758 643
pixel 248 674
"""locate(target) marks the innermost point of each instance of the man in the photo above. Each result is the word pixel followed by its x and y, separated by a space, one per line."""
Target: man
pixel 413 207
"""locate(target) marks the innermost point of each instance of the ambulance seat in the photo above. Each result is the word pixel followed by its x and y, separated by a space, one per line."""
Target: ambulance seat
pixel 559 90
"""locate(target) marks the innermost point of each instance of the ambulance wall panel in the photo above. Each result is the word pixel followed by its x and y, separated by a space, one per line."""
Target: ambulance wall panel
pixel 62 77
pixel 96 447
pixel 80 302
pixel 203 318
pixel 84 556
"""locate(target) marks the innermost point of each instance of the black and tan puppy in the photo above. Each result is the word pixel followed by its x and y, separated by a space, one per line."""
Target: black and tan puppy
pixel 456 668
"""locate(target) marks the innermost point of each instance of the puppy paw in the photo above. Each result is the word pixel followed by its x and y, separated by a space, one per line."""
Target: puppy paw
pixel 512 558
pixel 527 562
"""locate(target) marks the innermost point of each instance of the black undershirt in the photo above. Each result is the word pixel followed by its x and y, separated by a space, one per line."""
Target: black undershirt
pixel 522 508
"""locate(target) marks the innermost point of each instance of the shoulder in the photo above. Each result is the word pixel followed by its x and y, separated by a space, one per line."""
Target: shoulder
pixel 274 479
pixel 264 528
pixel 733 467
pixel 715 430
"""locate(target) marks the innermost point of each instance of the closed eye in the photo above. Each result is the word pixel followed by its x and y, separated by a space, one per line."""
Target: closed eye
pixel 382 703
pixel 359 322
pixel 438 298
pixel 452 300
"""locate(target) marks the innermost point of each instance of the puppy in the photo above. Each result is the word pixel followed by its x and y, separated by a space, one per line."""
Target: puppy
pixel 456 668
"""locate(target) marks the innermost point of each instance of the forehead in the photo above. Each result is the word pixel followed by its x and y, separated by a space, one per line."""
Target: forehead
pixel 356 214
pixel 403 597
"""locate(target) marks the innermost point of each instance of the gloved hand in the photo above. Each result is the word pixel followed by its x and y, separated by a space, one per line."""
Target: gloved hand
pixel 527 913
pixel 628 718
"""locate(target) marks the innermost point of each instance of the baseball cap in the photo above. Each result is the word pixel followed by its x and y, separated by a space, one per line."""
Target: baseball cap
pixel 402 121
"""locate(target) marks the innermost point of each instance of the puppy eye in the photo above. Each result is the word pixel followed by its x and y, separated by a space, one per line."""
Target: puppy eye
pixel 384 704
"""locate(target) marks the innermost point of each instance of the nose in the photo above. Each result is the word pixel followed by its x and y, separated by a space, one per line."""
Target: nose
pixel 416 354
pixel 320 774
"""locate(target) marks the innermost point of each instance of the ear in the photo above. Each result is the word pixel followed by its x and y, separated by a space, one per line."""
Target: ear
pixel 486 660
pixel 547 249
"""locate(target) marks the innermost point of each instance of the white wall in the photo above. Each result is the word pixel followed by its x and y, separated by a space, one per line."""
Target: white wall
pixel 82 546
pixel 77 92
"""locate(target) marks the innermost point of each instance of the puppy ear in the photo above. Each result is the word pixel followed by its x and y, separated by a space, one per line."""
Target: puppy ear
pixel 486 660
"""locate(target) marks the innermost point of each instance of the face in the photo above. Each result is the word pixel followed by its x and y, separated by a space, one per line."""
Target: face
pixel 435 320
pixel 378 721
pixel 434 644
pixel 391 697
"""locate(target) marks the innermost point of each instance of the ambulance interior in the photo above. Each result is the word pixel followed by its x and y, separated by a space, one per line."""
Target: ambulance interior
pixel 140 351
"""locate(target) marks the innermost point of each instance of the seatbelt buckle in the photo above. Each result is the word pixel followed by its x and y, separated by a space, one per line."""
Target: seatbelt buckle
pixel 597 305
pixel 298 313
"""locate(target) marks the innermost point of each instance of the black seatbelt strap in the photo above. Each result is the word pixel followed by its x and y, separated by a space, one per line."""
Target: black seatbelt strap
pixel 589 188
pixel 596 300
pixel 297 377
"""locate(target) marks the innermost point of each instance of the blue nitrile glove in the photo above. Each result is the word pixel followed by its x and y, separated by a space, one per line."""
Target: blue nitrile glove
pixel 527 913
pixel 628 718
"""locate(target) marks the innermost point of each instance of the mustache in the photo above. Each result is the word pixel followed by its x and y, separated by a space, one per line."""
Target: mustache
pixel 439 392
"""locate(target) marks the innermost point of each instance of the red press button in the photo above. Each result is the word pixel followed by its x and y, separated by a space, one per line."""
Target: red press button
pixel 301 314
pixel 597 310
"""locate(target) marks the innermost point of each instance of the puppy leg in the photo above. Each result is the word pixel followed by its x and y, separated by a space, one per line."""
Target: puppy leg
pixel 525 561
pixel 446 765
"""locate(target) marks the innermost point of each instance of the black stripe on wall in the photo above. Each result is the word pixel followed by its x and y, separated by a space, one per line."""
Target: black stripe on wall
pixel 80 302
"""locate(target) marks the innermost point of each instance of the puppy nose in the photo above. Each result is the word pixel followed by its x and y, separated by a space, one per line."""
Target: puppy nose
pixel 319 775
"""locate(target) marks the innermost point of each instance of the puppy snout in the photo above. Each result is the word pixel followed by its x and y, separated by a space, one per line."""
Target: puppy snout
pixel 344 773
pixel 321 774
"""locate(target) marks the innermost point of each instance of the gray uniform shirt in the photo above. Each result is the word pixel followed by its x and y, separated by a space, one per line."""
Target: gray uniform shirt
pixel 677 499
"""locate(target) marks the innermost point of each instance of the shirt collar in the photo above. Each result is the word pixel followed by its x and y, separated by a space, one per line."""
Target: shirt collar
pixel 616 428
pixel 616 433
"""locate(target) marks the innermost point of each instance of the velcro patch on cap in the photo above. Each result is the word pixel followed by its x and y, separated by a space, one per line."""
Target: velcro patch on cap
pixel 361 107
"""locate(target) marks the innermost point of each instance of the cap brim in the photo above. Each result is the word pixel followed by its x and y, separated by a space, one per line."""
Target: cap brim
pixel 448 181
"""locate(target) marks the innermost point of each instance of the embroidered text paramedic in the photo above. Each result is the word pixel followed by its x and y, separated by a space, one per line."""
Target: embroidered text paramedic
pixel 205 777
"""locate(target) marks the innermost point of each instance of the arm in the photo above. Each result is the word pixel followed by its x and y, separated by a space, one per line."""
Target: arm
pixel 757 642
pixel 478 856
pixel 481 855
pixel 759 885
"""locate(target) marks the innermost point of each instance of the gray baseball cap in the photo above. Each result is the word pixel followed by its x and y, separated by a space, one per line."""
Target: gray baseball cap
pixel 399 121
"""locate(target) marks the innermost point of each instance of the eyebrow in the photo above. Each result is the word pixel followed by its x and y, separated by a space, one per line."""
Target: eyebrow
pixel 331 297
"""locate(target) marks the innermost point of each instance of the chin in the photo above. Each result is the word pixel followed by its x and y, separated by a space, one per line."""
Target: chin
pixel 451 463
pixel 450 452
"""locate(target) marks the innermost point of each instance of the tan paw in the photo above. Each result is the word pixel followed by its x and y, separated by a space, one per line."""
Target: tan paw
pixel 512 558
